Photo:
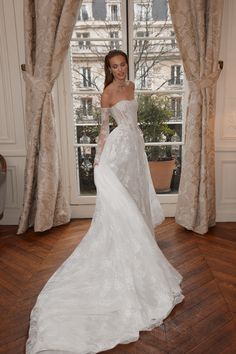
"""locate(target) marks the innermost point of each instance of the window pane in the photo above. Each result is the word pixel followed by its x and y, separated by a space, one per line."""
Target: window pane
pixel 155 56
pixel 97 31
pixel 85 157
pixel 159 83
pixel 155 66
pixel 157 120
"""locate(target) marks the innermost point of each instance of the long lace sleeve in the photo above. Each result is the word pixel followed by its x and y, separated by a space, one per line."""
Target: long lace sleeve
pixel 104 132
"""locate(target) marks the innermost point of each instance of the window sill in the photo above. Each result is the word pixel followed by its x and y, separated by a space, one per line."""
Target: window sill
pixel 85 207
pixel 91 199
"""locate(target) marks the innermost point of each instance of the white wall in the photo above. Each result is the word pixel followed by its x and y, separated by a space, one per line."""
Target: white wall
pixel 12 132
pixel 226 120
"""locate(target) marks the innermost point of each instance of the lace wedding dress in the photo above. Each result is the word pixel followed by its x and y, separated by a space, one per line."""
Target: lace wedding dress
pixel 117 282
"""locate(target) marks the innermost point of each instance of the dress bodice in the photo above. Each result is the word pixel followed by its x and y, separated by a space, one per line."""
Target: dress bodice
pixel 125 113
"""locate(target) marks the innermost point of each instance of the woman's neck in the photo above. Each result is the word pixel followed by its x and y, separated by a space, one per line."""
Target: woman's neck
pixel 120 83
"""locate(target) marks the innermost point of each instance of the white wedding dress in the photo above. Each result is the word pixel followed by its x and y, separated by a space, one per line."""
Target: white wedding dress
pixel 117 282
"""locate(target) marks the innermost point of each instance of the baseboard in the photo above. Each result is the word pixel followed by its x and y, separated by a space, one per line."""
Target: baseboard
pixel 226 216
pixel 10 217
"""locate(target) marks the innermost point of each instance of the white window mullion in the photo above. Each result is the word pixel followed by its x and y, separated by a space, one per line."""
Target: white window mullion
pixel 130 21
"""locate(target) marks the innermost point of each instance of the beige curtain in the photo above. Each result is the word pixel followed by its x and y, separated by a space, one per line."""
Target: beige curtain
pixel 48 26
pixel 197 25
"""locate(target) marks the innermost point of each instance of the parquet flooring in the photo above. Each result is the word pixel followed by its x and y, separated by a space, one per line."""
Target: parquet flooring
pixel 204 323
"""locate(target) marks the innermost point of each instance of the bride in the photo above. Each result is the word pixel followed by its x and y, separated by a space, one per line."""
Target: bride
pixel 117 282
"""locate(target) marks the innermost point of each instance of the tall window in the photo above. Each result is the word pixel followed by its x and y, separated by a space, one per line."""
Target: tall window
pixel 83 111
pixel 141 41
pixel 176 77
pixel 176 106
pixel 114 43
pixel 113 12
pixel 83 42
pixel 84 13
pixel 86 106
pixel 154 65
pixel 143 78
pixel 143 11
pixel 173 40
pixel 86 77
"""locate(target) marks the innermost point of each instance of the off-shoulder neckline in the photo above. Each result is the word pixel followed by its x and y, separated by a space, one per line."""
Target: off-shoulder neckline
pixel 133 99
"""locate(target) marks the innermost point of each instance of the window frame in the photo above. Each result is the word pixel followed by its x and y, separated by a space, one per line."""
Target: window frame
pixel 84 11
pixel 86 77
pixel 87 202
pixel 139 12
pixel 114 43
pixel 111 15
pixel 176 77
pixel 86 104
pixel 176 105
pixel 83 40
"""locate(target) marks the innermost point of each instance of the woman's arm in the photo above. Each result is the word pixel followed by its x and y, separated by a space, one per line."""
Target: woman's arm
pixel 104 130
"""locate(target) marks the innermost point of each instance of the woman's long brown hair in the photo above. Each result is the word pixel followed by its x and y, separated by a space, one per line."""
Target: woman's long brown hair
pixel 108 75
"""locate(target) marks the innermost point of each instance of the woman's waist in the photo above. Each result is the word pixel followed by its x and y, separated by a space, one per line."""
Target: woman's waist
pixel 128 132
pixel 132 127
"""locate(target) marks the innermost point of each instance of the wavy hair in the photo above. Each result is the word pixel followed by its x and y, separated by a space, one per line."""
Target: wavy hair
pixel 108 75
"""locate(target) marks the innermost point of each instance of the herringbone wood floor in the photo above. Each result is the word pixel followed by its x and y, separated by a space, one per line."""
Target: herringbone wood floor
pixel 203 323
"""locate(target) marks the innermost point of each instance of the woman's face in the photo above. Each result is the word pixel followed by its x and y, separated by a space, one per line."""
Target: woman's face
pixel 119 67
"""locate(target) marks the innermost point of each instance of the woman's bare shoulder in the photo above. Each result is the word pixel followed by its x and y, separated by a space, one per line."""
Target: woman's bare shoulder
pixel 131 87
pixel 131 84
pixel 105 99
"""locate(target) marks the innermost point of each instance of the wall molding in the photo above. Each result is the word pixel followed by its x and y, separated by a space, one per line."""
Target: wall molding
pixel 13 153
pixel 226 191
pixel 219 149
pixel 12 190
pixel 225 215
pixel 15 184
pixel 225 136
pixel 12 123
pixel 85 211
pixel 7 124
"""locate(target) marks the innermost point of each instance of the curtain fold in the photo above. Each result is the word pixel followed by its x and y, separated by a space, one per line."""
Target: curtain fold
pixel 48 27
pixel 197 25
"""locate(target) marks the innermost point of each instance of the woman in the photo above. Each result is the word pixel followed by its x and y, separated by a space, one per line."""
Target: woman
pixel 117 282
